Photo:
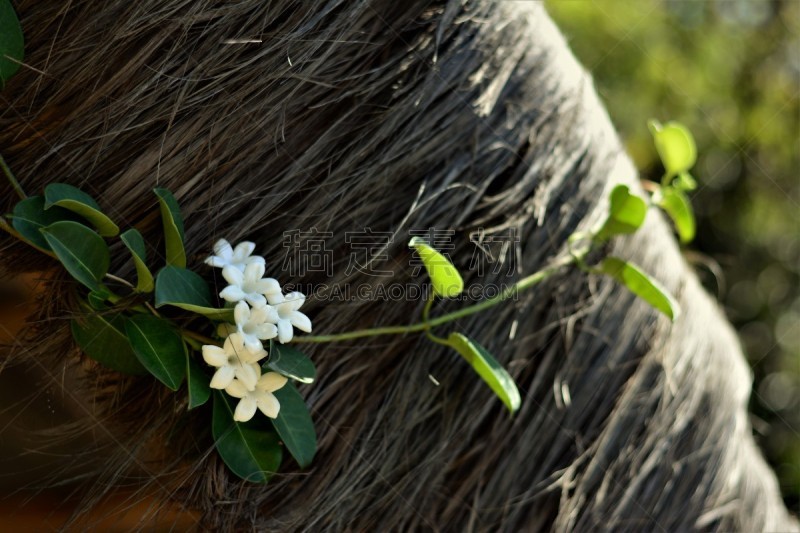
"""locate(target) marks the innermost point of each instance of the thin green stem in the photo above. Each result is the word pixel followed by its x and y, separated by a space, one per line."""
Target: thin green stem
pixel 14 183
pixel 523 284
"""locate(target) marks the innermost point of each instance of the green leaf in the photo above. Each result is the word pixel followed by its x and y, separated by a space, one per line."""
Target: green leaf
pixel 135 243
pixel 252 453
pixel 101 337
pixel 173 227
pixel 291 363
pixel 159 348
pixel 12 42
pixel 198 381
pixel 79 202
pixel 677 206
pixel 294 425
pixel 675 146
pixel 97 299
pixel 626 214
pixel 641 285
pixel 685 182
pixel 29 216
pixel 445 278
pixel 81 250
pixel 183 288
pixel 488 369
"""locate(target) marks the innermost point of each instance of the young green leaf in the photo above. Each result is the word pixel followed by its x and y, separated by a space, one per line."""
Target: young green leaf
pixel 97 299
pixel 29 216
pixel 626 214
pixel 445 278
pixel 675 146
pixel 488 369
pixel 198 383
pixel 101 337
pixel 159 348
pixel 135 243
pixel 251 453
pixel 183 288
pixel 641 285
pixel 81 250
pixel 675 203
pixel 290 362
pixel 79 202
pixel 173 227
pixel 294 425
pixel 12 42
pixel 685 182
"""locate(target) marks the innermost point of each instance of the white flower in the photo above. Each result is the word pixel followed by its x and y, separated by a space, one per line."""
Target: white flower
pixel 233 361
pixel 288 316
pixel 256 324
pixel 249 285
pixel 261 397
pixel 239 257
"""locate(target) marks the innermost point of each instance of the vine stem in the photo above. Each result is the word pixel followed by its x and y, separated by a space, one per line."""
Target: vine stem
pixel 523 284
pixel 14 183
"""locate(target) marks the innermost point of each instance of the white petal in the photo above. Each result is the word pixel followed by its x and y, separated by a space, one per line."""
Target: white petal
pixel 214 355
pixel 270 314
pixel 268 286
pixel 248 375
pixel 242 251
pixel 216 261
pixel 222 377
pixel 266 332
pixel 269 404
pixel 274 298
pixel 233 275
pixel 252 344
pixel 284 331
pixel 245 410
pixel 255 299
pixel 301 321
pixel 236 389
pixel 223 250
pixel 295 300
pixel 241 313
pixel 253 259
pixel 271 381
pixel 234 344
pixel 253 272
pixel 232 293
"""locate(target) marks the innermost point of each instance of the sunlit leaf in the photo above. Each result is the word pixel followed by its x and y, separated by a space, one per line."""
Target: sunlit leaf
pixel 81 250
pixel 198 383
pixel 685 182
pixel 158 347
pixel 445 278
pixel 183 288
pixel 290 362
pixel 641 285
pixel 294 425
pixel 102 337
pixel 252 453
pixel 79 202
pixel 488 369
pixel 12 42
pixel 677 206
pixel 135 243
pixel 675 146
pixel 29 216
pixel 173 228
pixel 626 213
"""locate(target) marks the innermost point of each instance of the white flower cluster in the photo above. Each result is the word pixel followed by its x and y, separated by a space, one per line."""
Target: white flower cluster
pixel 262 312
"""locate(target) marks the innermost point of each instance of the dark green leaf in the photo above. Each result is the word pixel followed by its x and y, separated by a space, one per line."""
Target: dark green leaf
pixel 290 362
pixel 81 250
pixel 675 146
pixel 12 43
pixel 159 348
pixel 198 381
pixel 101 337
pixel 626 214
pixel 29 217
pixel 488 369
pixel 79 202
pixel 677 206
pixel 97 299
pixel 294 425
pixel 641 285
pixel 173 227
pixel 445 278
pixel 135 243
pixel 183 288
pixel 252 453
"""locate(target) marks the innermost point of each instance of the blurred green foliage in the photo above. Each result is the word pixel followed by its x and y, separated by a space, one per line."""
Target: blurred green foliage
pixel 730 71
